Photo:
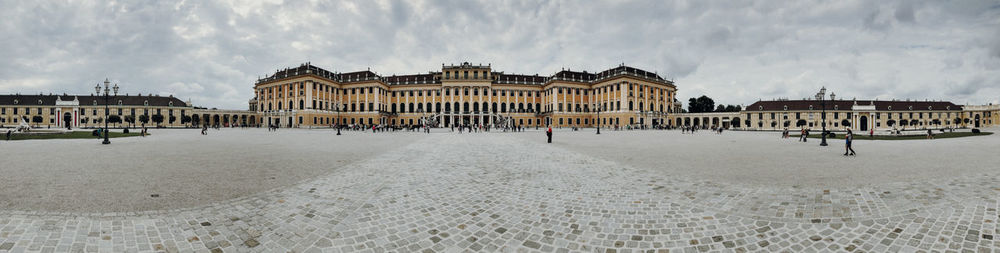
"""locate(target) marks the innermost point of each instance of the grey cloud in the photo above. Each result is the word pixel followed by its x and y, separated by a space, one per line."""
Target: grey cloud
pixel 211 52
pixel 904 13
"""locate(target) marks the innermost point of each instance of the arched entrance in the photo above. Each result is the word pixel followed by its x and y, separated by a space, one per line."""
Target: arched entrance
pixel 977 120
pixel 863 126
pixel 67 120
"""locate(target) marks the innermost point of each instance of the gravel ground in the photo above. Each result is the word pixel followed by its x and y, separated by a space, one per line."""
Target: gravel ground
pixel 763 158
pixel 185 168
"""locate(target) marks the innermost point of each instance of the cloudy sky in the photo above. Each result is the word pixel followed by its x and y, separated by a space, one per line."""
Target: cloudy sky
pixel 733 51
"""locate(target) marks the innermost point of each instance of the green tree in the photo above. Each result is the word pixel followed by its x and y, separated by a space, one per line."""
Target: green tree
pixel 130 119
pixel 185 119
pixel 701 104
pixel 114 119
pixel 721 108
pixel 693 106
pixel 37 119
pixel 144 119
pixel 172 119
pixel 158 119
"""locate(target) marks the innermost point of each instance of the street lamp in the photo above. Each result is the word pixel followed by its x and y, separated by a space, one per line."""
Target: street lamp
pixel 107 100
pixel 821 96
pixel 600 107
pixel 337 122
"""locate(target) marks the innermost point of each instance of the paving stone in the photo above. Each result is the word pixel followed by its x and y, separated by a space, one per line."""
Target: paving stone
pixel 451 192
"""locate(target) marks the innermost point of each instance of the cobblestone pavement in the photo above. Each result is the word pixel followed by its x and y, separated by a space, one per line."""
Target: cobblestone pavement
pixel 491 192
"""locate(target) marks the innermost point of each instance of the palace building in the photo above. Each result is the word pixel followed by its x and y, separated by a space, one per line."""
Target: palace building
pixel 122 111
pixel 464 94
pixel 89 110
pixel 858 115
pixel 468 94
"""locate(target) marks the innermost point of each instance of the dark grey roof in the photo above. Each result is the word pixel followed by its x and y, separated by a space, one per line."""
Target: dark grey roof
pixel 32 100
pixel 799 105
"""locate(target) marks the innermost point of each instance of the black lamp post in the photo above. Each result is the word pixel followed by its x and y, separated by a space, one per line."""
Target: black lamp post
pixel 600 107
pixel 107 100
pixel 821 96
pixel 337 122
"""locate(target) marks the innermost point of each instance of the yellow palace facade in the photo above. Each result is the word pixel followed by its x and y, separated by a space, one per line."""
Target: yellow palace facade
pixel 464 94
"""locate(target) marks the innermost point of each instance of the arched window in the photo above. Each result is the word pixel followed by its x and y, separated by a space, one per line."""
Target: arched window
pixel 302 104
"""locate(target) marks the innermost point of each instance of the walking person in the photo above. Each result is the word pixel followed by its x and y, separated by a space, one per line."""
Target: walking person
pixel 548 133
pixel 848 138
pixel 8 134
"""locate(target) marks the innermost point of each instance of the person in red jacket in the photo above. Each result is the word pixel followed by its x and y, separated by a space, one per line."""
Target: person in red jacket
pixel 549 134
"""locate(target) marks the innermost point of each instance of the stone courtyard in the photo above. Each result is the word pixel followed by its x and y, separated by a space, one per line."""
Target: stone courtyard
pixel 249 190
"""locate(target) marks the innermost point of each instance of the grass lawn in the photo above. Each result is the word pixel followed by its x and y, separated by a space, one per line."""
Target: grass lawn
pixel 937 135
pixel 69 135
